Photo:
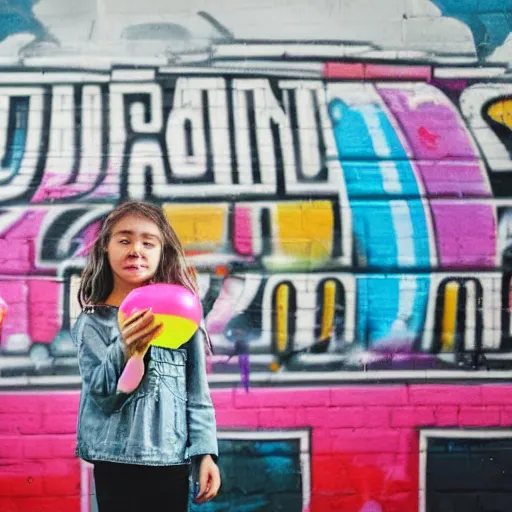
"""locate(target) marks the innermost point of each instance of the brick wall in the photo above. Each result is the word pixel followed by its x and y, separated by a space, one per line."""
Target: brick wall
pixel 364 438
pixel 347 201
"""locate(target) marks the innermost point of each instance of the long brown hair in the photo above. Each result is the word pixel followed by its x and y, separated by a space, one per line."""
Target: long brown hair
pixel 97 279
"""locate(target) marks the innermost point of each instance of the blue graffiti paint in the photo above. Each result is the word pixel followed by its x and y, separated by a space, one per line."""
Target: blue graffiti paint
pixel 258 476
pixel 16 17
pixel 16 138
pixel 390 226
pixel 375 234
pixel 396 321
pixel 490 21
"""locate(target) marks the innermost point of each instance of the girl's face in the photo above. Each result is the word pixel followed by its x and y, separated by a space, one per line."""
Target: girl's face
pixel 134 251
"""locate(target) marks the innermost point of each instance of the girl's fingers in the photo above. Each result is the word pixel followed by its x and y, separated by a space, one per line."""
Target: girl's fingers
pixel 148 332
pixel 142 344
pixel 141 334
pixel 212 490
pixel 138 325
pixel 133 322
pixel 203 487
pixel 134 317
pixel 209 481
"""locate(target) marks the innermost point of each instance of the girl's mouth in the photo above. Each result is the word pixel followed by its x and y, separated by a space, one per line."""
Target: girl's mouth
pixel 134 268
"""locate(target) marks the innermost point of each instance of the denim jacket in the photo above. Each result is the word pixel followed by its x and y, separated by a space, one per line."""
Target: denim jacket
pixel 167 420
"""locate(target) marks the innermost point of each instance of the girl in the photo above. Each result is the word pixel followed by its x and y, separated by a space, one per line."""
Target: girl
pixel 141 444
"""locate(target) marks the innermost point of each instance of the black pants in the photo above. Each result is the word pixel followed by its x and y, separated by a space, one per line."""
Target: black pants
pixel 132 488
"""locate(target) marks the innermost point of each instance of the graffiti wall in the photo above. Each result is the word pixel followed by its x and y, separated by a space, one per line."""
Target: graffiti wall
pixel 342 185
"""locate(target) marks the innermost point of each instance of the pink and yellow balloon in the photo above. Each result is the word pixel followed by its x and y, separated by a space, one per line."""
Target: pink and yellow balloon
pixel 176 307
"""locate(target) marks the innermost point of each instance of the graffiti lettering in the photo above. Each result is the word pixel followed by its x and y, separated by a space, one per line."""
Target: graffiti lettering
pixel 163 139
pixel 21 133
pixel 335 208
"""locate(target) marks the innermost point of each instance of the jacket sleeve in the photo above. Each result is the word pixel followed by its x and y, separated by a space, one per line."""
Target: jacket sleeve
pixel 202 429
pixel 101 362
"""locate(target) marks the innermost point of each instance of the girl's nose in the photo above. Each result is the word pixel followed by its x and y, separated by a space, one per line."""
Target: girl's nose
pixel 136 249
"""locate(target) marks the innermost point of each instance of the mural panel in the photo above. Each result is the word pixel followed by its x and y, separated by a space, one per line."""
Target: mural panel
pixel 332 216
pixel 339 173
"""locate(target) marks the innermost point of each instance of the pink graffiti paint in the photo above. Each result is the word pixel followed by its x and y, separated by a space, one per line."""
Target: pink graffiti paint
pixel 3 313
pixel 33 315
pixel 33 312
pixel 17 240
pixel 109 186
pixel 462 241
pixel 17 323
pixel 90 234
pixel 376 71
pixel 243 231
pixel 363 437
pixel 445 156
pixel 225 305
pixel 429 139
pixel 44 317
pixel 344 70
pixel 52 188
pixel 449 166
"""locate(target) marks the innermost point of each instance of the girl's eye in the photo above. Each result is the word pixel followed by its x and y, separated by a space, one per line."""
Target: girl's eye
pixel 148 244
pixel 124 242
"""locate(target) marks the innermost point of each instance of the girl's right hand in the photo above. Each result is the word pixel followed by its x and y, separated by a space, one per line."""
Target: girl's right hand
pixel 138 330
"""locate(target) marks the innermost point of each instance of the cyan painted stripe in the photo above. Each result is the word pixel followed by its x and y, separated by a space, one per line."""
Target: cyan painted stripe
pixel 387 234
pixel 391 308
pixel 373 226
pixel 409 217
pixel 353 141
pixel 365 132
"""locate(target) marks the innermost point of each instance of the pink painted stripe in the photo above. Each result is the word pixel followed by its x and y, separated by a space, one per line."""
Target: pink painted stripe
pixel 376 71
pixel 243 231
pixel 398 72
pixel 16 321
pixel 343 70
pixel 434 129
pixel 243 408
pixel 449 166
pixel 363 437
pixel 452 178
pixel 466 234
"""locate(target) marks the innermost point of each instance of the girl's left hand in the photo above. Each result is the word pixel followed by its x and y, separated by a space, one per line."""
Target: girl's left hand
pixel 209 480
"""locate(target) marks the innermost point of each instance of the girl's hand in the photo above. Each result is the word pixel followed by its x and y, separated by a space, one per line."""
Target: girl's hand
pixel 138 330
pixel 209 480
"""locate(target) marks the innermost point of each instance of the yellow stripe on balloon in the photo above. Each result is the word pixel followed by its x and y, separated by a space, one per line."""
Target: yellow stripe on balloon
pixel 176 331
pixel 328 309
pixel 451 297
pixel 282 306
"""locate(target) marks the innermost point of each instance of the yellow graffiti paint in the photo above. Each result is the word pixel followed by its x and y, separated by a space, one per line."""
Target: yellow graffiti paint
pixel 282 309
pixel 305 230
pixel 451 297
pixel 197 226
pixel 501 112
pixel 328 310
